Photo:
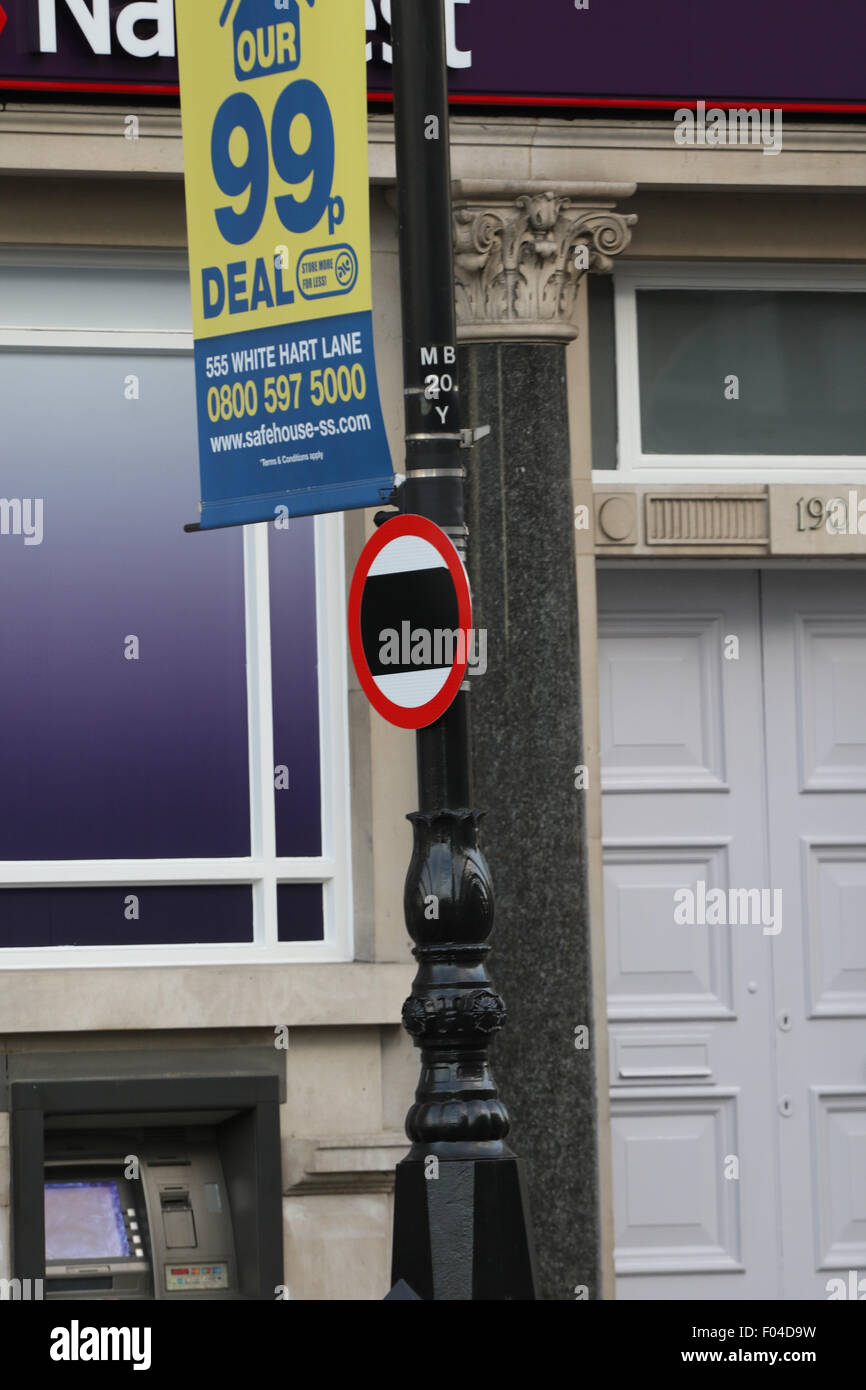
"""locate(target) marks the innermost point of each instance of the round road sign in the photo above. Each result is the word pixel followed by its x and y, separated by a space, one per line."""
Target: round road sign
pixel 410 621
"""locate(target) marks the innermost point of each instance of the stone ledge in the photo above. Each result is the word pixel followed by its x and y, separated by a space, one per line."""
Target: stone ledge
pixel 349 1163
pixel 149 998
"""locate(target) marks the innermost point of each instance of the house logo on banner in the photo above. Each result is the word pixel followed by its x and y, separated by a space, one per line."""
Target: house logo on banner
pixel 264 45
pixel 273 103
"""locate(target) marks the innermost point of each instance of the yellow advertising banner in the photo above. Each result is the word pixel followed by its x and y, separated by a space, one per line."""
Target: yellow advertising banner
pixel 273 103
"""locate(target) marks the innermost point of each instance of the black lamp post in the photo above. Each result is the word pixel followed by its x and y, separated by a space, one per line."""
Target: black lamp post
pixel 460 1225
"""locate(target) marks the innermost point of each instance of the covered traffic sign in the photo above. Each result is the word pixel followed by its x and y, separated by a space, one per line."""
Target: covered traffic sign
pixel 410 621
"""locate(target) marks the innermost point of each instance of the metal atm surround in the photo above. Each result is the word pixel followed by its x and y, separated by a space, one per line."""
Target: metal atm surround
pixel 237 1116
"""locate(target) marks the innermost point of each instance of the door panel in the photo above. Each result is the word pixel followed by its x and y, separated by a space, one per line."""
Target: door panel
pixel 741 766
pixel 815 664
pixel 683 808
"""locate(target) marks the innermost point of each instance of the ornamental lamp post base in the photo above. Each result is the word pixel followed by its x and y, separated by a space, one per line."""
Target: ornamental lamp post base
pixel 460 1229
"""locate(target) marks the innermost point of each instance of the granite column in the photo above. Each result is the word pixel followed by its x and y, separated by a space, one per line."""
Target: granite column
pixel 520 252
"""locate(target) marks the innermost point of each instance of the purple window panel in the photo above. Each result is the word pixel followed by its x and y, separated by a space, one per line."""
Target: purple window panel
pixel 106 916
pixel 299 912
pixel 105 756
pixel 294 658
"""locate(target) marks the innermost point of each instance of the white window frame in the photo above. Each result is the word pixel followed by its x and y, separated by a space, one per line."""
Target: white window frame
pixel 634 466
pixel 263 869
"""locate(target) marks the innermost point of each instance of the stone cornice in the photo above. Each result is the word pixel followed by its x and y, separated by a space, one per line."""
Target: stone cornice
pixel 77 139
pixel 815 155
pixel 522 248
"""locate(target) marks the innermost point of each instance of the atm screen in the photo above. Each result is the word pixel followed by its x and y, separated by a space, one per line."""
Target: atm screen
pixel 84 1221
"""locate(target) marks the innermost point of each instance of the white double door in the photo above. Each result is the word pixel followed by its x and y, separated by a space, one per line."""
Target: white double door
pixel 733 752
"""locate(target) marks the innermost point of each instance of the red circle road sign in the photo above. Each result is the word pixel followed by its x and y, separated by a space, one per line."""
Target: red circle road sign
pixel 410 621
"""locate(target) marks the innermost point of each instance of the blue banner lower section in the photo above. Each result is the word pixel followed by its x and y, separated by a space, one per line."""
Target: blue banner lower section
pixel 289 422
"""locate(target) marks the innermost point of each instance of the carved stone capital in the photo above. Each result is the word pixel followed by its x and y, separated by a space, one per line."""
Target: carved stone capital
pixel 522 249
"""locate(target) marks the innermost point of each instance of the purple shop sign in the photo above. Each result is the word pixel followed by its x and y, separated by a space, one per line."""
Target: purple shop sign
pixel 500 52
pixel 88 46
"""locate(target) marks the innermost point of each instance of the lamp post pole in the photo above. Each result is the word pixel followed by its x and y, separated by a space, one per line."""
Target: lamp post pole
pixel 460 1224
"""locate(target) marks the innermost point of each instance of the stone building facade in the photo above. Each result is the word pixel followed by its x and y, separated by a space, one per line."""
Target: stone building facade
pixel 598 567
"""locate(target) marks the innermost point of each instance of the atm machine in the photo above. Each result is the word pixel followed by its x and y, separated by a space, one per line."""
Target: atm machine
pixel 143 1187
pixel 153 1224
